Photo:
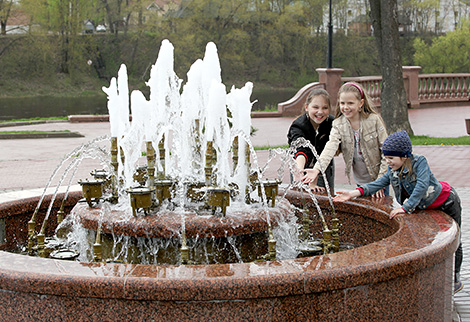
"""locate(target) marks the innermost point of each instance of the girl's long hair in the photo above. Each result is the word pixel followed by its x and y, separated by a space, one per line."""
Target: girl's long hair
pixel 317 92
pixel 407 165
pixel 366 109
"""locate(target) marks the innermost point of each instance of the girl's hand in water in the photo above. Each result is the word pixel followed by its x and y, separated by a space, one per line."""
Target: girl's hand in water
pixel 310 176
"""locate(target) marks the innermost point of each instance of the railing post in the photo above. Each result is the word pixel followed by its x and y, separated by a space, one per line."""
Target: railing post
pixel 331 78
pixel 411 79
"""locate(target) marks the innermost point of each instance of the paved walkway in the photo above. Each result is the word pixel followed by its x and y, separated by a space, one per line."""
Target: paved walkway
pixel 26 165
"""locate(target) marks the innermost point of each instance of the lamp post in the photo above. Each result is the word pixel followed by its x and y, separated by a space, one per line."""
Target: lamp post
pixel 330 39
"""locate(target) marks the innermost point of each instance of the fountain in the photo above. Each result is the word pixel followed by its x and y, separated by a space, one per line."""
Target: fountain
pixel 189 237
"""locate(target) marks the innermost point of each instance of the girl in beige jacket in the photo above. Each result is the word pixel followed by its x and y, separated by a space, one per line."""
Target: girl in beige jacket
pixel 358 132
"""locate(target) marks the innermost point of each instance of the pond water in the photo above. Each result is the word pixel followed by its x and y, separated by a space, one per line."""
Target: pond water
pixel 48 106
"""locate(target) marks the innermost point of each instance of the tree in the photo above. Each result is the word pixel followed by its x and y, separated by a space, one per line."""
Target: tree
pixel 421 12
pixel 64 20
pixel 446 54
pixel 5 9
pixel 394 106
pixel 118 13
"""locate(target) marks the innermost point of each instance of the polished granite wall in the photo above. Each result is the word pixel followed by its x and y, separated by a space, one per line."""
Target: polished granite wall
pixel 406 276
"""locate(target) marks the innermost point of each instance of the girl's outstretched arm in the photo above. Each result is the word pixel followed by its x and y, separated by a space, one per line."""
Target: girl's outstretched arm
pixel 346 195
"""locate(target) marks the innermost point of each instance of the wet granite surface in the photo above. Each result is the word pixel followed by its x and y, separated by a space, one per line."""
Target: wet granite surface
pixel 406 276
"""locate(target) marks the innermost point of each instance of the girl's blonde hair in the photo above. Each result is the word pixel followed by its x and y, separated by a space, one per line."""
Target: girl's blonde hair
pixel 407 165
pixel 351 87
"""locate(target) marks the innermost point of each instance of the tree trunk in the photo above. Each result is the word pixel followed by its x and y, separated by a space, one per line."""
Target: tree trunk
pixel 5 7
pixel 394 107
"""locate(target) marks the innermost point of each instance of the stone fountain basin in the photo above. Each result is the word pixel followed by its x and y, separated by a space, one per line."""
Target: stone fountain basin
pixel 406 276
pixel 168 224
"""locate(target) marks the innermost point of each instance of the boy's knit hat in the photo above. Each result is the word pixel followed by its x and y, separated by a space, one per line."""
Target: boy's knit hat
pixel 397 145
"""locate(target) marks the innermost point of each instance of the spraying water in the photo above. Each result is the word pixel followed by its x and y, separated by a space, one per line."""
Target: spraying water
pixel 200 134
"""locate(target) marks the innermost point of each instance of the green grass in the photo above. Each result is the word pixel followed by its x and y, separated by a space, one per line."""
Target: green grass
pixel 268 108
pixel 415 140
pixel 427 140
pixel 32 132
pixel 54 118
pixel 257 148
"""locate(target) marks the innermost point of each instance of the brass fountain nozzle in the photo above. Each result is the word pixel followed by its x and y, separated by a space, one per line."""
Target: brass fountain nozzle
pixel 271 245
pixel 31 233
pixel 97 248
pixel 211 159
pixel 306 222
pixel 61 213
pixel 184 249
pixel 327 241
pixel 40 238
pixel 141 198
pixel 335 234
pixel 115 165
pixel 218 197
pixel 150 165
pixel 271 189
pixel 92 189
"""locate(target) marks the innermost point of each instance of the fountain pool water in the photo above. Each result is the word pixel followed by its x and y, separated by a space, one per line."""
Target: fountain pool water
pixel 401 271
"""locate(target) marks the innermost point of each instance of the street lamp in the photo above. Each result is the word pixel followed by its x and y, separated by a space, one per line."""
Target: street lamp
pixel 330 39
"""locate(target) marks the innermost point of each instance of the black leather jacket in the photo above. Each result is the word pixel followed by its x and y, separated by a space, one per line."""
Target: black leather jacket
pixel 301 127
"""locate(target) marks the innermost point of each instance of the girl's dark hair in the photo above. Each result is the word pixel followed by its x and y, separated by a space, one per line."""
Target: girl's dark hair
pixel 318 92
pixel 367 108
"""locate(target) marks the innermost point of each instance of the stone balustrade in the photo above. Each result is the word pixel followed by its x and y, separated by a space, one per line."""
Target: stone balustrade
pixel 422 90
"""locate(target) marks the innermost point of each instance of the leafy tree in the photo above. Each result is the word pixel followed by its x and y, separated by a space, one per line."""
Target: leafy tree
pixel 340 13
pixel 64 18
pixel 357 55
pixel 447 54
pixel 313 14
pixel 119 12
pixel 421 13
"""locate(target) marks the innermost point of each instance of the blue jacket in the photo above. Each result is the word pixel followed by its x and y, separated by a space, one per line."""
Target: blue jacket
pixel 422 187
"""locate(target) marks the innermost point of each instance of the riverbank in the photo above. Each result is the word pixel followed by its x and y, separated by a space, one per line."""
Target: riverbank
pixel 94 102
pixel 64 86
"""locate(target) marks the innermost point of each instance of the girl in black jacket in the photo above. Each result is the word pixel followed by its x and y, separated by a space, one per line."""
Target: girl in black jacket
pixel 315 126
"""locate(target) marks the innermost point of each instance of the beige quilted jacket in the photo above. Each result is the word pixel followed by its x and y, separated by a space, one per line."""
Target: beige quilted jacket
pixel 372 136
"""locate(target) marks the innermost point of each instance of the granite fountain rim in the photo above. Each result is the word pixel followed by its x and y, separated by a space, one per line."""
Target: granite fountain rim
pixel 434 233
